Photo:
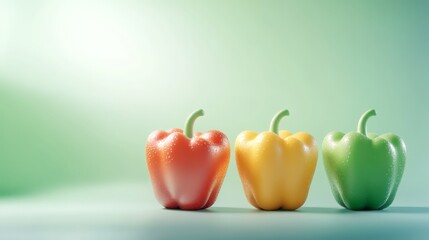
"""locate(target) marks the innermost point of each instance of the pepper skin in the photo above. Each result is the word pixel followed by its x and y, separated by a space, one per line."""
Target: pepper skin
pixel 364 171
pixel 187 171
pixel 276 168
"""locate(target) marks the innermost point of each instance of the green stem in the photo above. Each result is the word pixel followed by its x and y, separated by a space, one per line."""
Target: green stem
pixel 274 126
pixel 189 125
pixel 364 119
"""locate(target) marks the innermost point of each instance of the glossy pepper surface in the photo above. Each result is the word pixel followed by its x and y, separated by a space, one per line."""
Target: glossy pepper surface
pixel 276 168
pixel 364 170
pixel 186 169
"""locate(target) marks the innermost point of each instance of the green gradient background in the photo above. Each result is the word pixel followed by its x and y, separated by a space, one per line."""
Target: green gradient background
pixel 83 83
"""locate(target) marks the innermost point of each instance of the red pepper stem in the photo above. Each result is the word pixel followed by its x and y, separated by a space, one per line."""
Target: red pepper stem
pixel 189 125
pixel 362 121
pixel 274 126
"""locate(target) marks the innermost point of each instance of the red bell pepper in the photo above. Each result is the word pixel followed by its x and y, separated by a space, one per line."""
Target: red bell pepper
pixel 187 170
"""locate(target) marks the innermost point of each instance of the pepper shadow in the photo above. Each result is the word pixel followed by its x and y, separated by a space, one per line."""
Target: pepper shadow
pixel 310 210
pixel 406 210
pixel 216 210
pixel 250 210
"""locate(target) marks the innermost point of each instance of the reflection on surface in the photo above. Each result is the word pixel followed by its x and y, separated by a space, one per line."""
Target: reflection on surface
pixel 124 211
pixel 306 223
pixel 409 210
pixel 314 210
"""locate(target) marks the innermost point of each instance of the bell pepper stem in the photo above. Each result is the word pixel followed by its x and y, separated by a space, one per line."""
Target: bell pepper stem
pixel 189 125
pixel 274 126
pixel 363 119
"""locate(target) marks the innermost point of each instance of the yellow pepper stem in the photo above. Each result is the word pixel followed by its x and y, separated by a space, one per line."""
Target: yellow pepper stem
pixel 274 126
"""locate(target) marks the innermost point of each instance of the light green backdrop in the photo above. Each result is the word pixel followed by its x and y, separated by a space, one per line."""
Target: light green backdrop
pixel 82 83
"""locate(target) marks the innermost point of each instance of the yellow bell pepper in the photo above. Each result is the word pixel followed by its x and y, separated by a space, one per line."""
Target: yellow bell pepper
pixel 276 168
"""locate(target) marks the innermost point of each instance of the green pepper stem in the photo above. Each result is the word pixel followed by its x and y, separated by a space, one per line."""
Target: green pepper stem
pixel 362 121
pixel 189 125
pixel 274 126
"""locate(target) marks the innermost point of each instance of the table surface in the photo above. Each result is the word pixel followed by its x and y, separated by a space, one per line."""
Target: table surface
pixel 125 212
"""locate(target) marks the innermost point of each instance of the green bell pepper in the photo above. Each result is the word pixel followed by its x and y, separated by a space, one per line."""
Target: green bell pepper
pixel 364 170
